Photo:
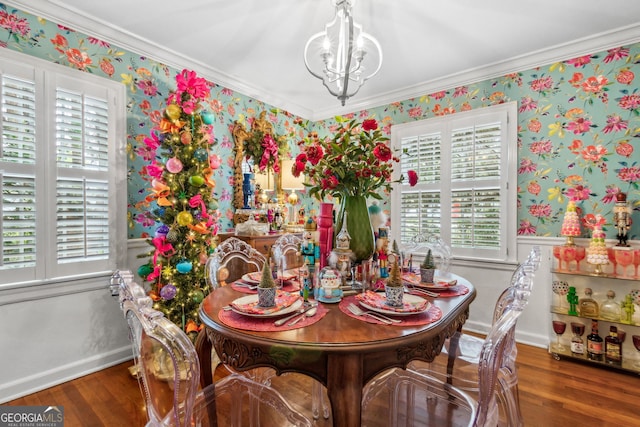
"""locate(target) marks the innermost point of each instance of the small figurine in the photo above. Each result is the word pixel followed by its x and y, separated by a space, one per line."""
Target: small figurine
pixel 572 298
pixel 309 248
pixel 305 280
pixel 622 218
pixel 382 252
pixel 628 309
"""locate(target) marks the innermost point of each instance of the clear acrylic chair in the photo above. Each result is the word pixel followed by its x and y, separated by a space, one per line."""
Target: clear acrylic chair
pixel 169 373
pixel 440 250
pixel 230 260
pixel 286 253
pixel 417 398
pixel 469 347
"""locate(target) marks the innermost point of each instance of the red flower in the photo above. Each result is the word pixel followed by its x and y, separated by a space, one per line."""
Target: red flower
pixel 413 177
pixel 382 152
pixel 369 124
pixel 329 183
pixel 314 154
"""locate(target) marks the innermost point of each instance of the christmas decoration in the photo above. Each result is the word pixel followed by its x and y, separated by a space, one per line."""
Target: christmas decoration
pixel 571 224
pixel 182 186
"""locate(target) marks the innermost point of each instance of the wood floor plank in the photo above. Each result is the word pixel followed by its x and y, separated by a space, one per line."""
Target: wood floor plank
pixel 553 393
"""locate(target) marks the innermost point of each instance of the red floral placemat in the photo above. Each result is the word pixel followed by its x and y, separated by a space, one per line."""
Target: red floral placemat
pixel 238 321
pixel 433 314
pixel 454 292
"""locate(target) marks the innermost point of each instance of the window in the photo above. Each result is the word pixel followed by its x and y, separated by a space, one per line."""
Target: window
pixel 466 190
pixel 61 161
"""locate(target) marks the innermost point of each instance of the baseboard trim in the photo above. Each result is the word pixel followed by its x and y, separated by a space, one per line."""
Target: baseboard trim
pixel 46 379
pixel 535 340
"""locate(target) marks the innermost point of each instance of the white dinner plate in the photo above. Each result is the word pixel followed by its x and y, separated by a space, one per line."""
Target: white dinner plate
pixel 254 297
pixel 407 297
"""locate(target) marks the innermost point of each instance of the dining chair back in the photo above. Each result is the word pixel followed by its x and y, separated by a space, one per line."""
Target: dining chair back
pixel 286 251
pixel 169 374
pixel 440 250
pixel 230 260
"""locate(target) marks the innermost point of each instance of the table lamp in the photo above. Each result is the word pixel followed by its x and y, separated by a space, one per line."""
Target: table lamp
pixel 291 183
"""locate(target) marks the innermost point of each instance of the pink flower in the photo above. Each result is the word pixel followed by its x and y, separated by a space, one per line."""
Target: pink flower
pixel 526 228
pixel 579 125
pixel 541 84
pixel 580 62
pixel 413 177
pixel 616 54
pixel 629 102
pixel 614 124
pixel 541 147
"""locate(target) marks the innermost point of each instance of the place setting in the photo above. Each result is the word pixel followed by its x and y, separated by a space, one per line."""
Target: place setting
pixel 375 307
pixel 271 308
pixel 440 286
pixel 248 283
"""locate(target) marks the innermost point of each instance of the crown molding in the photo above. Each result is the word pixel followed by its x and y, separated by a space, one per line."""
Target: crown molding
pixel 73 18
pixel 588 45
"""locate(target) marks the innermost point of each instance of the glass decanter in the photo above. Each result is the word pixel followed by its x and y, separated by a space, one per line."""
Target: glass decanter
pixel 587 306
pixel 609 309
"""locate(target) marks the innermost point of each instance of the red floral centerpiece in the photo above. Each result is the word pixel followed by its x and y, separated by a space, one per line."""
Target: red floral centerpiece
pixel 354 164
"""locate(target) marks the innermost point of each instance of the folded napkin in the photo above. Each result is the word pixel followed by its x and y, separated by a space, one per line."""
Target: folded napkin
pixel 283 300
pixel 379 300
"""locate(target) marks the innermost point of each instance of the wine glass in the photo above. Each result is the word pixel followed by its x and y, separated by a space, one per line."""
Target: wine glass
pixel 625 259
pixel 636 344
pixel 581 253
pixel 611 253
pixel 559 327
pixel 560 288
pixel 636 261
pixel 621 335
pixel 557 253
pixel 568 254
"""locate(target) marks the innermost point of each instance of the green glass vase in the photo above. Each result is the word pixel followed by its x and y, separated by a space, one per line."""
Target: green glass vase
pixel 358 225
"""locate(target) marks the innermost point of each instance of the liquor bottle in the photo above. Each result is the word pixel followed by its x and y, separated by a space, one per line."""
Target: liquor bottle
pixel 613 347
pixel 577 343
pixel 609 309
pixel 588 307
pixel 594 343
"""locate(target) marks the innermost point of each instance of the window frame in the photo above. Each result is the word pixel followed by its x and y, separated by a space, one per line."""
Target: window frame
pixel 49 77
pixel 506 114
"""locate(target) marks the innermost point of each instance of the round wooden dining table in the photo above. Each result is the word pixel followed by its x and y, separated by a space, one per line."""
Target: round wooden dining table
pixel 340 351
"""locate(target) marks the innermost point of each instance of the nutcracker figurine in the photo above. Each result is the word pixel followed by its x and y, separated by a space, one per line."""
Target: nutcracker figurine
pixel 622 218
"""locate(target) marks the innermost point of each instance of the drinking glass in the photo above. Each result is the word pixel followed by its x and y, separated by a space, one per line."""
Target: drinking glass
pixel 636 261
pixel 568 254
pixel 611 253
pixel 557 255
pixel 636 344
pixel 559 327
pixel 625 259
pixel 560 288
pixel 581 253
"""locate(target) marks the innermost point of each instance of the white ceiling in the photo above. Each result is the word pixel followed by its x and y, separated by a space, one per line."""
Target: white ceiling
pixel 256 46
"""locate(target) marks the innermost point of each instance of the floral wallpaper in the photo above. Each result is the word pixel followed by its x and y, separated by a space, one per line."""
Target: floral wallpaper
pixel 578 124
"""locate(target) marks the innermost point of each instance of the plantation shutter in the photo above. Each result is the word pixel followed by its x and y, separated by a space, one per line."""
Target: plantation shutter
pixel 420 205
pixel 475 186
pixel 463 193
pixel 17 171
pixel 82 186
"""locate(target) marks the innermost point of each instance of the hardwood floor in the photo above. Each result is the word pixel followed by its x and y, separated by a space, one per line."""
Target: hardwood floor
pixel 552 393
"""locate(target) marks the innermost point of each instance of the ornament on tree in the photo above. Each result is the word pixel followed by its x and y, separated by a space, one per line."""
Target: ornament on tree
pixel 181 178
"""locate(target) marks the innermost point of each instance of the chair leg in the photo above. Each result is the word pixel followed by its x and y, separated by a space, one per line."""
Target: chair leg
pixel 318 401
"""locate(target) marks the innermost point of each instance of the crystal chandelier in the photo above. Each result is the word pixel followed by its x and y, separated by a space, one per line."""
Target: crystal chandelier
pixel 343 56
